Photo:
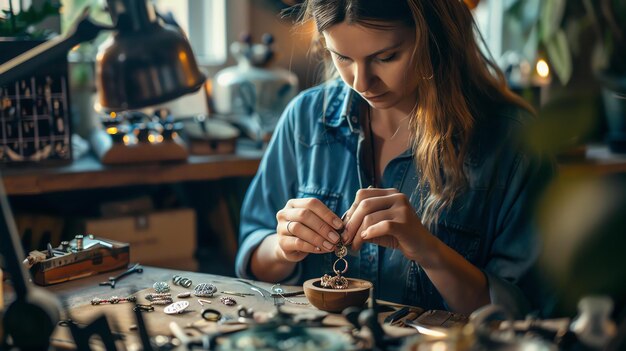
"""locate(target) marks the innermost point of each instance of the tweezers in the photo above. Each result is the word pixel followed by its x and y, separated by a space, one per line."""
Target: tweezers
pixel 397 315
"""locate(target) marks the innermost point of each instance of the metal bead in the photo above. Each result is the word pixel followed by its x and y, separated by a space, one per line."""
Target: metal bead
pixel 161 287
pixel 204 290
pixel 185 283
pixel 114 299
pixel 228 301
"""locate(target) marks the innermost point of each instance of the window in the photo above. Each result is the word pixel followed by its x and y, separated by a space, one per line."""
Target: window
pixel 205 25
pixel 5 5
pixel 488 16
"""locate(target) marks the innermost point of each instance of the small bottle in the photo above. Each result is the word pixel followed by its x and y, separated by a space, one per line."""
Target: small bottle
pixel 593 325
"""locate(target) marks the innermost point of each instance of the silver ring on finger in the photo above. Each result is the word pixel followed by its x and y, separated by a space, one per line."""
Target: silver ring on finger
pixel 289 230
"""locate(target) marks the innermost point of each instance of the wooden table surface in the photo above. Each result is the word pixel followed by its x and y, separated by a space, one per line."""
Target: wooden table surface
pixel 76 296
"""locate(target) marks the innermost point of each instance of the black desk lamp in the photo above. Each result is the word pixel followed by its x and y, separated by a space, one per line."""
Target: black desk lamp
pixel 143 64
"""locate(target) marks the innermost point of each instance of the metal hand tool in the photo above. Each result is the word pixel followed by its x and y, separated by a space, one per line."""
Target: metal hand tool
pixel 264 293
pixel 288 294
pixel 137 268
pixel 397 315
pixel 235 293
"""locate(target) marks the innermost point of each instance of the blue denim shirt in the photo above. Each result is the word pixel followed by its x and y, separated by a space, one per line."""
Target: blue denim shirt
pixel 314 152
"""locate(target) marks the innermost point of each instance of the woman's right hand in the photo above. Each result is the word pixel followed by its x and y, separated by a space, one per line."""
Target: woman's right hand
pixel 306 226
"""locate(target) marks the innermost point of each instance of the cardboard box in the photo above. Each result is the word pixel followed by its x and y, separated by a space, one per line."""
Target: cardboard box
pixel 154 238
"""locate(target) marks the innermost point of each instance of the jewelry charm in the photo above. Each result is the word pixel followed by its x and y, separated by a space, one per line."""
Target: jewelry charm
pixel 228 301
pixel 184 295
pixel 161 287
pixel 204 290
pixel 176 307
pixel 184 282
pixel 345 269
pixel 338 281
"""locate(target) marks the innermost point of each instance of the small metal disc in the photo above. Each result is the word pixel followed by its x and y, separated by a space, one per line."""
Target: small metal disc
pixel 176 307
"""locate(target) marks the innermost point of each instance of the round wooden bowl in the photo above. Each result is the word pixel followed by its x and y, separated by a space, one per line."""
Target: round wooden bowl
pixel 335 300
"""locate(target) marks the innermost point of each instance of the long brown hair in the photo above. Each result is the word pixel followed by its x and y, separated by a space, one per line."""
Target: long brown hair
pixel 458 80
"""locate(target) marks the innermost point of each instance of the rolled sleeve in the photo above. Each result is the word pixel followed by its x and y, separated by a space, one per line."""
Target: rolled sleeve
pixel 269 191
pixel 516 248
pixel 507 295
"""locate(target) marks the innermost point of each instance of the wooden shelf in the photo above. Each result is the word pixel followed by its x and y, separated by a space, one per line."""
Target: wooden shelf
pixel 88 173
pixel 594 159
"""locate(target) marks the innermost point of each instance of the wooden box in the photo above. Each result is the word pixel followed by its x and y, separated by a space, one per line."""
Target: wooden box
pixel 164 239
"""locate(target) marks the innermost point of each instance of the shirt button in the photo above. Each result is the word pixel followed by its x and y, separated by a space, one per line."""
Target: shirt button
pixel 354 119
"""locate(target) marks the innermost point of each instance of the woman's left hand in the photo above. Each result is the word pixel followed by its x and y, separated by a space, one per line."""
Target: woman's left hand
pixel 385 217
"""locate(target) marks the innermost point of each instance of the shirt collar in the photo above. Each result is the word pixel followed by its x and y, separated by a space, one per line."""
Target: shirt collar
pixel 340 105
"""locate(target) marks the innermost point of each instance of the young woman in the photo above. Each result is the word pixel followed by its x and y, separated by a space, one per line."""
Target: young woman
pixel 419 144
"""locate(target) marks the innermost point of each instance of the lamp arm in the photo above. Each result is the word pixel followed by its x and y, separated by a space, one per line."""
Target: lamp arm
pixel 11 248
pixel 84 29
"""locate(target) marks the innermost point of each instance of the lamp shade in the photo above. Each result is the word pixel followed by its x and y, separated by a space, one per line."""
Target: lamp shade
pixel 144 63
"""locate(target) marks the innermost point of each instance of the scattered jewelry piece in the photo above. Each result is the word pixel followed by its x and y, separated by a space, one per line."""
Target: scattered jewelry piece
pixel 228 301
pixel 143 308
pixel 245 314
pixel 182 281
pixel 157 296
pixel 161 287
pixel 184 295
pixel 162 302
pixel 176 307
pixel 113 300
pixel 277 289
pixel 204 290
pixel 211 315
pixel 202 302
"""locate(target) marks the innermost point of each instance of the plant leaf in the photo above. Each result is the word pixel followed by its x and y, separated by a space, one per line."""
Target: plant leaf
pixel 560 56
pixel 550 18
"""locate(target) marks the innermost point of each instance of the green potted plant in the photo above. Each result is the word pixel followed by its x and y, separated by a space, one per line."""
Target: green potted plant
pixel 609 21
pixel 585 30
pixel 563 23
pixel 23 24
